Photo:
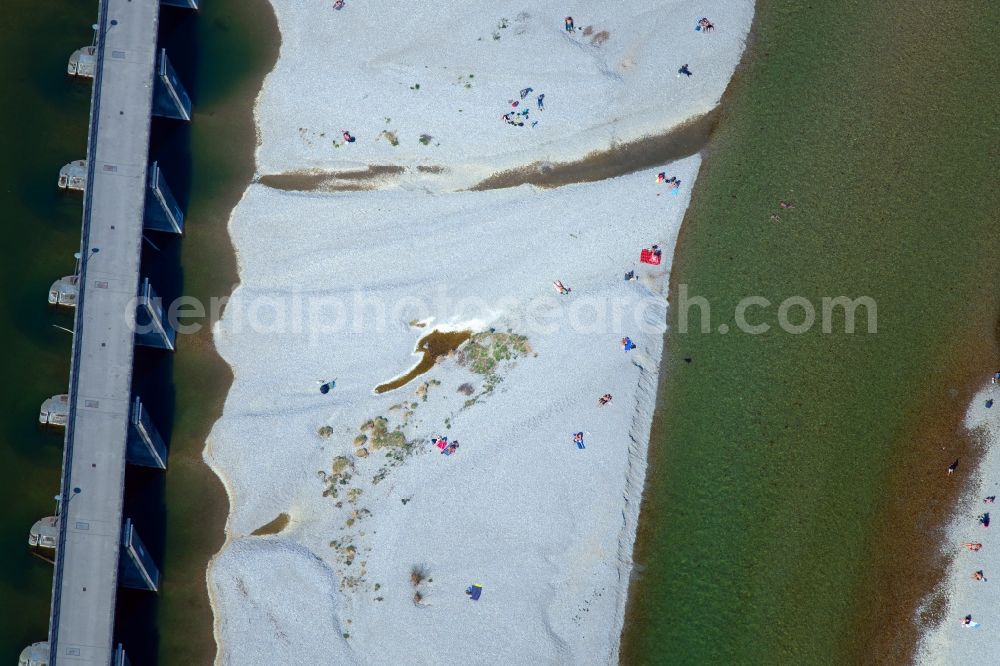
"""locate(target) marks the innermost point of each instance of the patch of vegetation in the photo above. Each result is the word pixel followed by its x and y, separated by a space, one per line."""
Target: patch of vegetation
pixel 339 475
pixel 340 463
pixel 378 436
pixel 415 86
pixel 418 579
pixel 390 137
pixel 484 352
pixel 325 431
pixel 425 139
pixel 418 574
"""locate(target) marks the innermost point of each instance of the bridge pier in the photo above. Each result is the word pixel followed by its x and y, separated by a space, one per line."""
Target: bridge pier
pixel 162 211
pixel 44 534
pixel 145 446
pixel 54 411
pixel 136 569
pixel 73 176
pixel 170 100
pixel 36 654
pixel 64 291
pixel 151 327
pixel 120 658
pixel 83 62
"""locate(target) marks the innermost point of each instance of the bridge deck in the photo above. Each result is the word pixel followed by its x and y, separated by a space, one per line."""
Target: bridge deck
pixel 85 583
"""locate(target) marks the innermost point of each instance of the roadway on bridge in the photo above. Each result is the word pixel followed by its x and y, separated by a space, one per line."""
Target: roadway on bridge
pixel 86 576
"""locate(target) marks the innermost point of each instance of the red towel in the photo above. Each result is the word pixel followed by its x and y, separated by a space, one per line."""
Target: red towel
pixel 647 256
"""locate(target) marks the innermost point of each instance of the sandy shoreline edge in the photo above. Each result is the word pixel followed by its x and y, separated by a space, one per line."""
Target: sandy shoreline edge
pixel 949 641
pixel 242 519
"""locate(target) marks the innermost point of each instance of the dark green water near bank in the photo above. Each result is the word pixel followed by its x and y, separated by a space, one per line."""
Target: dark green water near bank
pixel 44 118
pixel 796 482
pixel 221 54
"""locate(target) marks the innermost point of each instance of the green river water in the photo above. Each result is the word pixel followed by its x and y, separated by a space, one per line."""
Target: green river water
pixel 796 481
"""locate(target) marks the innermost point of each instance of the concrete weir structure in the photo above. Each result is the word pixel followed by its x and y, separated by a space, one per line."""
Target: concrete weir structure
pixel 97 548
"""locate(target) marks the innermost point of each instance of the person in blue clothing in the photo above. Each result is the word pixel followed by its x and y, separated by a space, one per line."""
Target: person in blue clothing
pixel 684 70
pixel 541 106
pixel 569 24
